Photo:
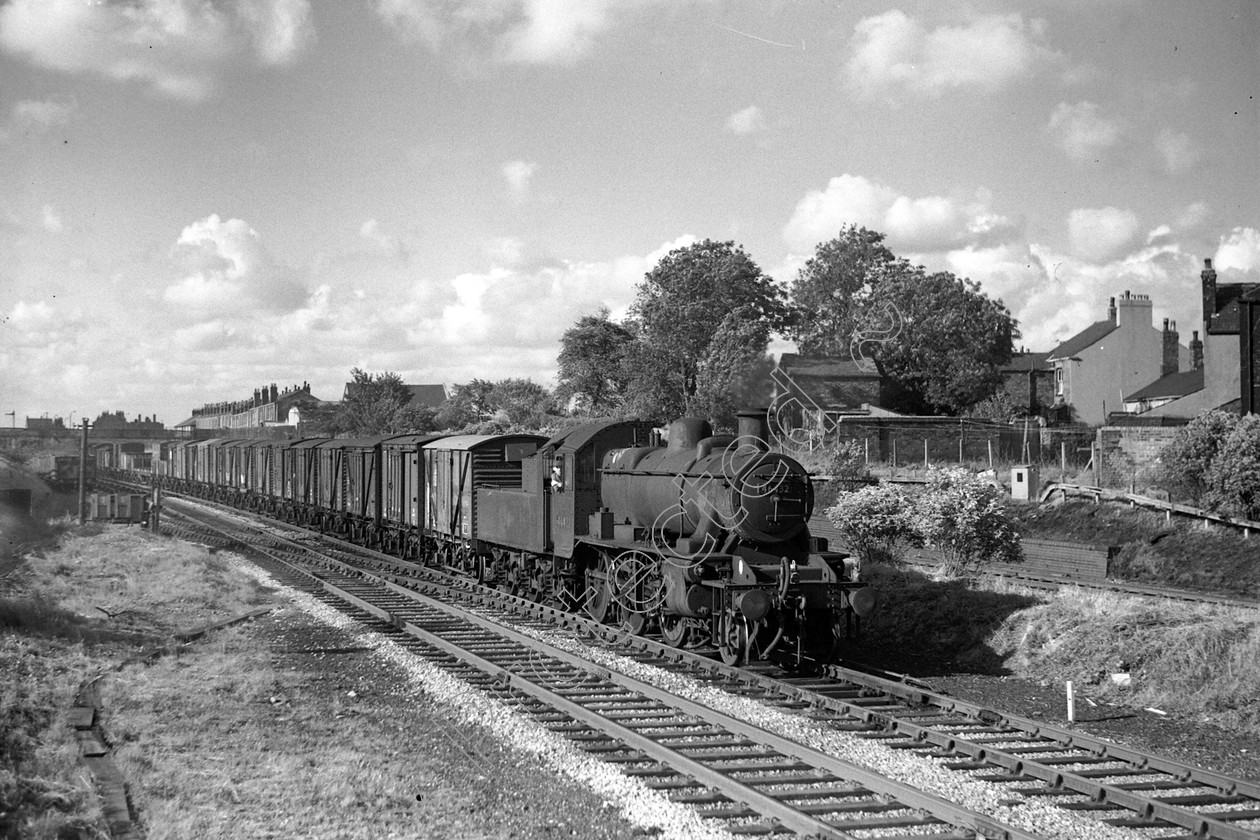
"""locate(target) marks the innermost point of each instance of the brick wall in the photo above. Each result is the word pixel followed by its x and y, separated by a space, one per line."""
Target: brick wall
pixel 1128 456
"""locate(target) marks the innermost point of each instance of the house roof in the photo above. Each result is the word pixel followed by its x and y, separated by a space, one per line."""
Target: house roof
pixel 1091 335
pixel 1025 361
pixel 1173 385
pixel 430 395
pixel 798 365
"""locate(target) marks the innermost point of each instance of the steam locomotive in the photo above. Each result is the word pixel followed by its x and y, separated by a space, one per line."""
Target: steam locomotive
pixel 703 538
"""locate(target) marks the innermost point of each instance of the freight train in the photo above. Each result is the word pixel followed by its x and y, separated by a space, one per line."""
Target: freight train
pixel 702 538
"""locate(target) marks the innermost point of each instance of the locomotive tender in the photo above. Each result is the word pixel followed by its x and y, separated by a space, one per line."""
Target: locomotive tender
pixel 705 537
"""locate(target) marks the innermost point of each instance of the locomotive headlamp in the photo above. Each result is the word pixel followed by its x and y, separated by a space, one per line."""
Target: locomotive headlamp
pixel 755 604
pixel 863 601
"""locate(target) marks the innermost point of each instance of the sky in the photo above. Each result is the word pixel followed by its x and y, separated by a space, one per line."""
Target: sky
pixel 200 197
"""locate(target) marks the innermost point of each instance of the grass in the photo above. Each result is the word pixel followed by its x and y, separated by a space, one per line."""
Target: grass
pixel 54 637
pixel 1198 660
pixel 1152 550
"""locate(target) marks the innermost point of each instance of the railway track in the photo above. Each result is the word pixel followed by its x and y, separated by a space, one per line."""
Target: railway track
pixel 1034 764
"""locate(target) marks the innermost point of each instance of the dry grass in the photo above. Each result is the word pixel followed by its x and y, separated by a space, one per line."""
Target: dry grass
pixel 1199 660
pixel 54 637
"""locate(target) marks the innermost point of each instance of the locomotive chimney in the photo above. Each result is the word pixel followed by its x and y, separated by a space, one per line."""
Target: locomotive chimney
pixel 752 424
pixel 686 432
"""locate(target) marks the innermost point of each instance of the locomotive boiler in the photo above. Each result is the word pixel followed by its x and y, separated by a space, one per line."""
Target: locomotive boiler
pixel 725 523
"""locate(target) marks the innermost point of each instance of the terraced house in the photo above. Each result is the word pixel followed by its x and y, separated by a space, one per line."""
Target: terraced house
pixel 1097 367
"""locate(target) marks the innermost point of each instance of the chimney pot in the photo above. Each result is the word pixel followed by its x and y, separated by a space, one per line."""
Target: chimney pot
pixel 1207 263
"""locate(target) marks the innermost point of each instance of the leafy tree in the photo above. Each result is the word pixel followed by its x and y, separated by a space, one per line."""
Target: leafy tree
pixel 876 521
pixel 963 517
pixel 497 406
pixel 727 372
pixel 467 404
pixel 829 292
pixel 1186 462
pixel 1233 479
pixel 377 404
pixel 938 337
pixel 687 342
pixel 592 364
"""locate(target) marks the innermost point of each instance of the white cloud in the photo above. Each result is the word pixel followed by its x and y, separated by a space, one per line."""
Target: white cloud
pixel 1082 132
pixel 51 219
pixel 748 121
pixel 519 173
pixel 512 31
pixel 177 47
pixel 929 223
pixel 1239 253
pixel 1179 152
pixel 1100 235
pixel 372 232
pixel 228 273
pixel 1194 215
pixel 30 117
pixel 1054 295
pixel 894 51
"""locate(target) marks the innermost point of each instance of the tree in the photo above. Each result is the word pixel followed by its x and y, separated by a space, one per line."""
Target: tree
pixel 936 336
pixel 377 404
pixel 508 403
pixel 1187 460
pixel 1233 479
pixel 685 339
pixel 952 342
pixel 592 364
pixel 829 291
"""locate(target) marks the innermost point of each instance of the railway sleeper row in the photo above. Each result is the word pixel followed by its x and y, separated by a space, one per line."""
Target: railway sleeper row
pixel 892 712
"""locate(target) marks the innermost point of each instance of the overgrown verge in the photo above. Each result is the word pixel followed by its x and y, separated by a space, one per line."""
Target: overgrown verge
pixel 1154 551
pixel 1197 660
pixel 69 612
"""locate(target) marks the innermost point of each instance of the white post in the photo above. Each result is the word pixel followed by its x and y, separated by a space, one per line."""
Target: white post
pixel 1071 703
pixel 990 443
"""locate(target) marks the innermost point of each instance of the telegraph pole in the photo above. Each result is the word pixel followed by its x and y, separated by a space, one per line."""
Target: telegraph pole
pixel 83 475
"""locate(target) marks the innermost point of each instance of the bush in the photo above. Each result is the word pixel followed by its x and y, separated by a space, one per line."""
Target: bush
pixel 1233 476
pixel 875 521
pixel 963 517
pixel 1186 461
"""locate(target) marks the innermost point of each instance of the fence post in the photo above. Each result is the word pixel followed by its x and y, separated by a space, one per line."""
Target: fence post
pixel 894 456
pixel 866 445
pixel 925 458
pixel 990 443
pixel 1063 456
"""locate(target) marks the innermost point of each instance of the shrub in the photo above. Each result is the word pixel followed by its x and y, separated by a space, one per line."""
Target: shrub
pixel 875 521
pixel 963 517
pixel 1233 477
pixel 1186 461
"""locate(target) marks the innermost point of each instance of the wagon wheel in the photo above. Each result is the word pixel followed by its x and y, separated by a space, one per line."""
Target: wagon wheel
pixel 675 630
pixel 597 597
pixel 733 638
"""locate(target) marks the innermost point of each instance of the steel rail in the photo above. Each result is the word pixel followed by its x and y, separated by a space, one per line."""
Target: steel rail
pixel 1018 767
pixel 738 791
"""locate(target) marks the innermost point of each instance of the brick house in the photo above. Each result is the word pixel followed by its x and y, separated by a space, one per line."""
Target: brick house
pixel 1094 369
pixel 1028 379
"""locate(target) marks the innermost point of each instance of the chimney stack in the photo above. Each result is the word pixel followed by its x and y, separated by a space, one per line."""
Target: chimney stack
pixel 1196 351
pixel 1111 311
pixel 1209 295
pixel 1170 363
